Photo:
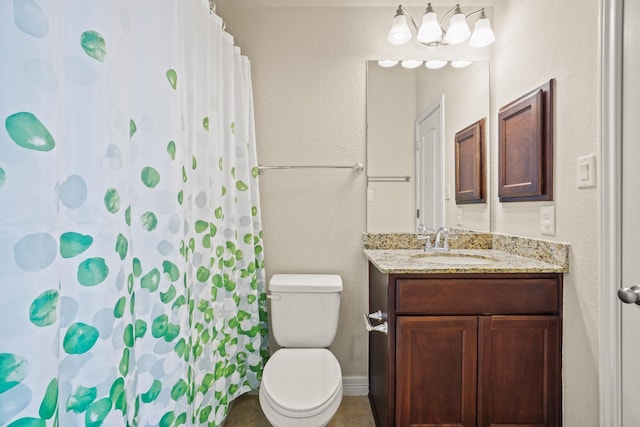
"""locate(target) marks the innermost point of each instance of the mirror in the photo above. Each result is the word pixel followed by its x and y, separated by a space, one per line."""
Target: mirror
pixel 398 99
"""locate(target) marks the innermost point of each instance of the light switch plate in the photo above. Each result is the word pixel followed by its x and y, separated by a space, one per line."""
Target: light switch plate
pixel 548 220
pixel 459 216
pixel 447 191
pixel 586 171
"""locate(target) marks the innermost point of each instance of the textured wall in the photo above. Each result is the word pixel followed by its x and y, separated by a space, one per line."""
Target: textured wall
pixel 309 80
pixel 537 41
pixel 309 73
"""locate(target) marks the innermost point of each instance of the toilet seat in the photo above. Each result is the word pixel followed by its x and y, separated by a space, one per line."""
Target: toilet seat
pixel 301 382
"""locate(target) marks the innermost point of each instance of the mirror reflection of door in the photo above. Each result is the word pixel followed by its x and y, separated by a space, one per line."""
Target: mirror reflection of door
pixel 430 168
pixel 396 97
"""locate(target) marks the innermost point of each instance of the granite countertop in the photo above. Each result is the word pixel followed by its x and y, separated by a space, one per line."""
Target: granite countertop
pixel 416 261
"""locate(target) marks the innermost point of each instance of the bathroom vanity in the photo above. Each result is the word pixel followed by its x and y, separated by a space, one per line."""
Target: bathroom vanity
pixel 467 343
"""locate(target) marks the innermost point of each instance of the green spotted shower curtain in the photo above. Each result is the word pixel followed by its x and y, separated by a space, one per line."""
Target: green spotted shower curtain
pixel 131 265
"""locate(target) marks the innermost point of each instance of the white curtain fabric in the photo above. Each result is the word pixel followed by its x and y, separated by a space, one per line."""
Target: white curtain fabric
pixel 131 265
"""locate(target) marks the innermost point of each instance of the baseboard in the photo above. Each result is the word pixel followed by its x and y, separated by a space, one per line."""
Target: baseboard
pixel 355 386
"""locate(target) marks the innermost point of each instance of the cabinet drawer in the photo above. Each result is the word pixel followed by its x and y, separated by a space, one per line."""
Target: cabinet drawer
pixel 478 296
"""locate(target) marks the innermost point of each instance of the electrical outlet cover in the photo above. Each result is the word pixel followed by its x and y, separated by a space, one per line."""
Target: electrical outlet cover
pixel 548 220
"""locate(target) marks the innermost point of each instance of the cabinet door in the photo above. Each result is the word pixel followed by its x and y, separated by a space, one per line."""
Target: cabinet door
pixel 519 371
pixel 436 366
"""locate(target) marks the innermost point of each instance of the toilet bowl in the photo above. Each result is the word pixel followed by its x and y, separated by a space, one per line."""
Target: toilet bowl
pixel 301 387
pixel 302 381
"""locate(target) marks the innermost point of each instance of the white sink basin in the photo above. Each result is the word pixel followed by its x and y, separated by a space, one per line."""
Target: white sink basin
pixel 455 259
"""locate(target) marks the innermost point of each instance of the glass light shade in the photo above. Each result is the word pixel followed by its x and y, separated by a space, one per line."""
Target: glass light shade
pixel 435 64
pixel 460 63
pixel 482 33
pixel 411 63
pixel 399 32
pixel 387 63
pixel 430 30
pixel 458 31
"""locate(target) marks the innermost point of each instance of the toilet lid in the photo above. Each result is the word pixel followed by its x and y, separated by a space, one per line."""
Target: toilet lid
pixel 301 379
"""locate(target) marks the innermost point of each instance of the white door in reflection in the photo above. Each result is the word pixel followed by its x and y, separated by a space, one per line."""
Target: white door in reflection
pixel 430 167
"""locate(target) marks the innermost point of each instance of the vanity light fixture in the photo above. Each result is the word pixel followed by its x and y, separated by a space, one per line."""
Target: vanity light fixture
pixel 431 33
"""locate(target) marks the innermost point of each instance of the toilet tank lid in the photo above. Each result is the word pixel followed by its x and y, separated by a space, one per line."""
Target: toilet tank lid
pixel 305 283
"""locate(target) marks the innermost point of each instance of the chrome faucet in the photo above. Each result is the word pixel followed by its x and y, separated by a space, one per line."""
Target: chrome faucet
pixel 442 235
pixel 441 240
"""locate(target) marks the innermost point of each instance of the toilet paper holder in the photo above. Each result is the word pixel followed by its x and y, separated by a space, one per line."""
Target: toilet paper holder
pixel 376 315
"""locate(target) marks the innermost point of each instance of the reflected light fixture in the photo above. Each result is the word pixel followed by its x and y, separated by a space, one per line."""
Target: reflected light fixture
pixel 435 64
pixel 386 63
pixel 460 63
pixel 431 32
pixel 411 63
pixel 432 64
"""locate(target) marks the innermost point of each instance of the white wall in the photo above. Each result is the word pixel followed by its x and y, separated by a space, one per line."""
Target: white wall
pixel 538 40
pixel 308 67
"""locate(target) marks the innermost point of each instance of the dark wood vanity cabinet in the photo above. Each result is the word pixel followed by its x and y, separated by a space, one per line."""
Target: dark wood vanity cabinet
pixel 466 349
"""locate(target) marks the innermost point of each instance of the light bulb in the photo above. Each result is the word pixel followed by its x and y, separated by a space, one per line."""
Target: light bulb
pixel 435 64
pixel 399 32
pixel 387 63
pixel 458 31
pixel 411 63
pixel 460 63
pixel 430 31
pixel 482 33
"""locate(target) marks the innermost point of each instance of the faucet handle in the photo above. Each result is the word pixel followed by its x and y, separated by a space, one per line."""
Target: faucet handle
pixel 425 230
pixel 422 232
pixel 427 243
pixel 424 235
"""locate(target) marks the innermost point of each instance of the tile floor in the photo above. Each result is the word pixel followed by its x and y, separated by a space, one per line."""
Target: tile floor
pixel 354 411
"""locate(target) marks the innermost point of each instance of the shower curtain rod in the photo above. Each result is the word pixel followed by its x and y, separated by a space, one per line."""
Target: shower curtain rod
pixel 357 168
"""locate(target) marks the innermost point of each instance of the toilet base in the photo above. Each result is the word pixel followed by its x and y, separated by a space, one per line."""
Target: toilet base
pixel 319 420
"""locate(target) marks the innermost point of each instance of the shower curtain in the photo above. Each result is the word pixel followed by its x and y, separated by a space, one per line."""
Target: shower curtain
pixel 131 264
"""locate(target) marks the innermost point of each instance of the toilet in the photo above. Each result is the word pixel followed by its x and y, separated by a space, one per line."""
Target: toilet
pixel 302 381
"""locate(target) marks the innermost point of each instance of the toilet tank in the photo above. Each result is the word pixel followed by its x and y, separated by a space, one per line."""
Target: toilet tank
pixel 305 309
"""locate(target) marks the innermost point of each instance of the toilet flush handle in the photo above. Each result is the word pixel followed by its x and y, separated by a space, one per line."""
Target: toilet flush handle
pixel 378 328
pixel 273 297
pixel 376 315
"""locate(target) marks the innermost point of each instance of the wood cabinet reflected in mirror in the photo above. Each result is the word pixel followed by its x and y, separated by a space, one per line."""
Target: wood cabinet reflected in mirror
pixel 470 164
